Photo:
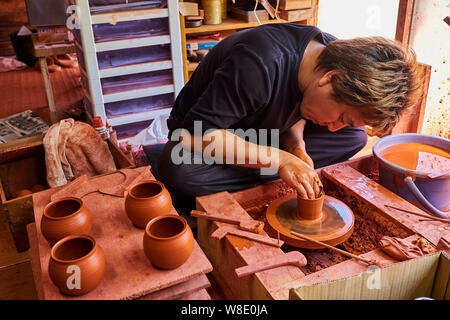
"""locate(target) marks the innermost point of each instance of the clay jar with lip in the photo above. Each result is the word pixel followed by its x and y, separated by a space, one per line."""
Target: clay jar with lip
pixel 309 209
pixel 147 200
pixel 77 264
pixel 168 241
pixel 64 217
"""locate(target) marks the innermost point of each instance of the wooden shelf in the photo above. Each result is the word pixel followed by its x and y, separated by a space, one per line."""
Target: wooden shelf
pixel 229 24
pixel 132 15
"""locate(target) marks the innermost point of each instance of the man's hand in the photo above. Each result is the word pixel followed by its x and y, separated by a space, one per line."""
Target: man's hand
pixel 300 176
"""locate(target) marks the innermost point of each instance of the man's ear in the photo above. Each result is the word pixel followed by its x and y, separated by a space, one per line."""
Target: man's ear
pixel 326 78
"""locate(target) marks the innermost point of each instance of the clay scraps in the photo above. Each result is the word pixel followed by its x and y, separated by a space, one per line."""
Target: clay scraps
pixel 402 250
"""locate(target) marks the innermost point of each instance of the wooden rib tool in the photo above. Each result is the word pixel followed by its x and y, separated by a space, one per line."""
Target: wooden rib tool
pixel 293 258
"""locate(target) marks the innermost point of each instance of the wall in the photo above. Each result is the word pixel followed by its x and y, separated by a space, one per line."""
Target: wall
pixel 430 37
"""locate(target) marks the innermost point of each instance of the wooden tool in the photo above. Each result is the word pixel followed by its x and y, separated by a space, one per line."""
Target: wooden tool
pixel 348 254
pixel 223 231
pixel 294 258
pixel 244 224
pixel 419 214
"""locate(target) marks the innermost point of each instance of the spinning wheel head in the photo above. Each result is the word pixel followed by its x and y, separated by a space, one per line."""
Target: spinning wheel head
pixel 333 225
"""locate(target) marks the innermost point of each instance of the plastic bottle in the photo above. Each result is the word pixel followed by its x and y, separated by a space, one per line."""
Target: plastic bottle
pixel 97 123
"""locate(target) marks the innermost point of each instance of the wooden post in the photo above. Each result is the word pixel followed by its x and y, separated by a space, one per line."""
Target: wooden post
pixel 404 20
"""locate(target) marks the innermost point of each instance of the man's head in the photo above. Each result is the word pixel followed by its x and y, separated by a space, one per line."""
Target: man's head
pixel 362 81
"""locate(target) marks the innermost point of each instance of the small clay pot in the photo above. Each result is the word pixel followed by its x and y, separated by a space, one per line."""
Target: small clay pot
pixel 168 241
pixel 309 209
pixel 146 201
pixel 77 265
pixel 64 217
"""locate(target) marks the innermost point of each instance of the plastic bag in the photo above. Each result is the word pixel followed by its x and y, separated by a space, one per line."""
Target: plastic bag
pixel 156 132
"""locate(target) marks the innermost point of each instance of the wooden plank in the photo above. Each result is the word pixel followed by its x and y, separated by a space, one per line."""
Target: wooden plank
pixel 238 252
pixel 179 290
pixel 131 43
pixel 292 4
pixel 376 196
pixel 228 24
pixel 404 20
pixel 22 173
pixel 129 274
pixel 48 88
pixel 16 282
pixel 348 268
pixel 297 15
pixel 132 15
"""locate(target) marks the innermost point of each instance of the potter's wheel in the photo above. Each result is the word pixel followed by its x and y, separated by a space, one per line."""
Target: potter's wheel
pixel 333 227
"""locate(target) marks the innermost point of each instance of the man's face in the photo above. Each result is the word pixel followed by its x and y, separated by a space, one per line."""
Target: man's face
pixel 319 106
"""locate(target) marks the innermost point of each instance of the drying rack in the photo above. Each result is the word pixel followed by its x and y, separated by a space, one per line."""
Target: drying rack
pixel 92 75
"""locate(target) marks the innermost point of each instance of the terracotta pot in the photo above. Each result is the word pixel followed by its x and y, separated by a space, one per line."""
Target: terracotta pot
pixel 64 217
pixel 146 201
pixel 168 241
pixel 77 265
pixel 309 209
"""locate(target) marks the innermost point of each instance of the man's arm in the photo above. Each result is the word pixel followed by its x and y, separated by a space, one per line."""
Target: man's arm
pixel 292 142
pixel 237 151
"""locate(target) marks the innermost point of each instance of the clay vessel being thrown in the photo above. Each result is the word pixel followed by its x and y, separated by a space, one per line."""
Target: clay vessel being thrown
pixel 77 265
pixel 309 209
pixel 146 201
pixel 64 217
pixel 168 241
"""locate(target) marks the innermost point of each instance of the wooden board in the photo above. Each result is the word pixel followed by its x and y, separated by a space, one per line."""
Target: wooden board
pixel 129 274
pixel 292 4
pixel 180 290
pixel 238 252
pixel 254 200
pixel 376 196
pixel 22 165
pixel 297 15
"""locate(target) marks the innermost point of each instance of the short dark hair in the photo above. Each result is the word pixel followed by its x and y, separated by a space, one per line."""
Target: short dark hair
pixel 375 74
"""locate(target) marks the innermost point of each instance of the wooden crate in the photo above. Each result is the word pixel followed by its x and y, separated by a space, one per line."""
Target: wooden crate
pixel 22 165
